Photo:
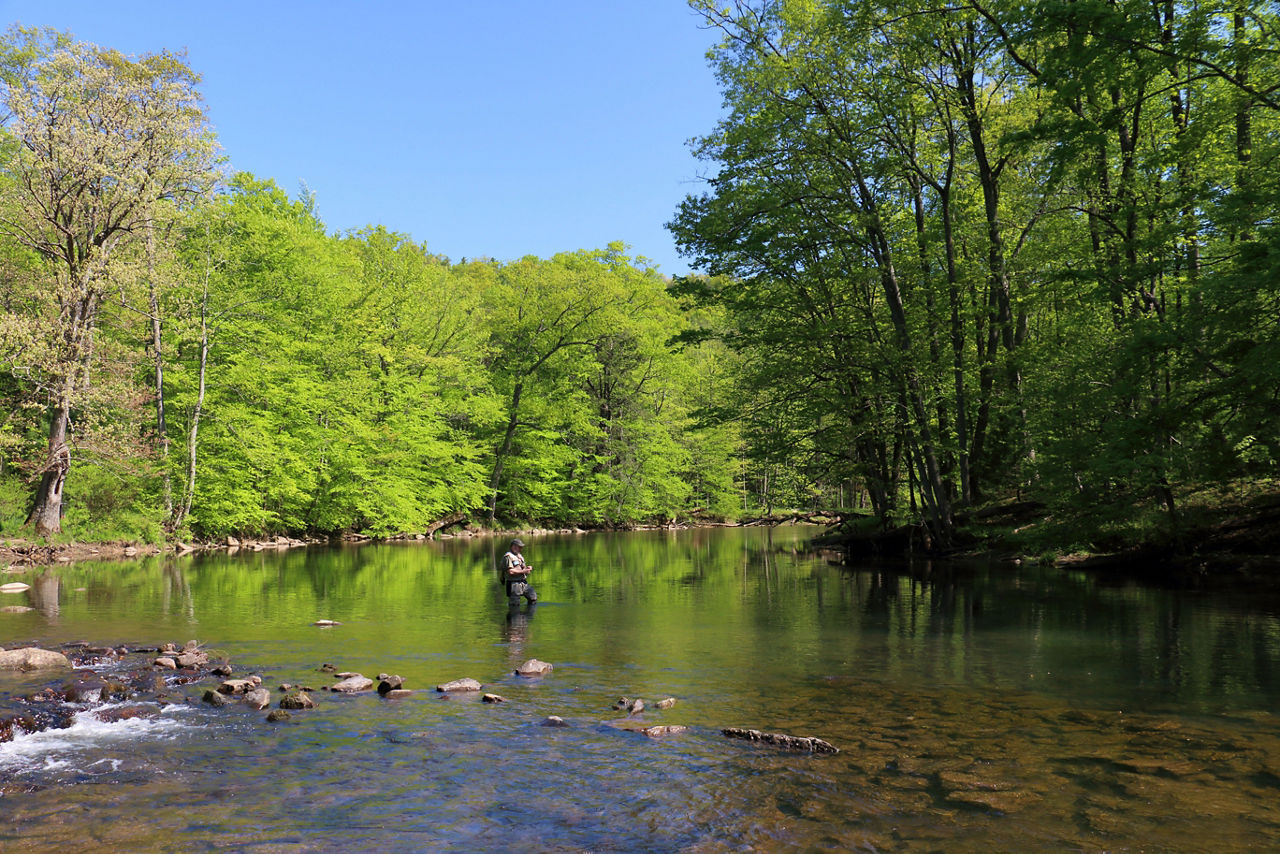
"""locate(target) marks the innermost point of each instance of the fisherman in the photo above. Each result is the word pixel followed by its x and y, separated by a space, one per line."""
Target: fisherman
pixel 515 574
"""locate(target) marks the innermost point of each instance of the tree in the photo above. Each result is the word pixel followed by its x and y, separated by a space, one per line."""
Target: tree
pixel 95 141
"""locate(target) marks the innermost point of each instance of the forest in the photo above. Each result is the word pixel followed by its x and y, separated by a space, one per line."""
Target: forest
pixel 950 256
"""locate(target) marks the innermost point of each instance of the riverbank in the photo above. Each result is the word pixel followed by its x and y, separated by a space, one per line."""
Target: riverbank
pixel 1217 538
pixel 18 553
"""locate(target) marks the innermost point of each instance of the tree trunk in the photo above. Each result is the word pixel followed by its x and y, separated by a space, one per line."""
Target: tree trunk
pixel 162 429
pixel 46 515
pixel 503 450
pixel 189 491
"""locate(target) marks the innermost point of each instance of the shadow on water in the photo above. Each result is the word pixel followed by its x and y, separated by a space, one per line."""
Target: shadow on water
pixel 976 708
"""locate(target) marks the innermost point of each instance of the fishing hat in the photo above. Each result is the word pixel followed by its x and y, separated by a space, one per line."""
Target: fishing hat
pixel 518 542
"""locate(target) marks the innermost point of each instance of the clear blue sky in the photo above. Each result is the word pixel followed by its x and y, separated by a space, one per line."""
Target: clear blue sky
pixel 495 129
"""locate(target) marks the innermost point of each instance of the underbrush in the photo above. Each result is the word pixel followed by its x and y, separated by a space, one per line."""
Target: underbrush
pixel 1124 522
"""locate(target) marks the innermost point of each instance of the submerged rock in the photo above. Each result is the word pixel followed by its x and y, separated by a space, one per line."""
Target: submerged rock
pixel 493 698
pixel 32 658
pixel 669 729
pixel 667 703
pixel 534 667
pixel 791 742
pixel 467 684
pixel 277 715
pixel 397 693
pixel 554 721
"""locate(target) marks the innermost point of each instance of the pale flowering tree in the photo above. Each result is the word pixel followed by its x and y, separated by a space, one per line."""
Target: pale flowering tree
pixel 93 142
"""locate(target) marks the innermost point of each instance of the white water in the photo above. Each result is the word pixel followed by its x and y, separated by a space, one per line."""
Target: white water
pixel 90 746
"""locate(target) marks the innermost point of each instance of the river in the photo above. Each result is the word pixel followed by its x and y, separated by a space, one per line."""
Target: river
pixel 975 708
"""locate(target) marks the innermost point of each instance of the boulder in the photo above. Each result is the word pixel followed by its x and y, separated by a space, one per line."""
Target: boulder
pixel 296 699
pixel 32 658
pixel 85 690
pixel 534 667
pixel 353 683
pixel 467 684
pixel 390 683
pixel 258 698
pixel 215 699
pixel 165 662
pixel 124 713
pixel 192 659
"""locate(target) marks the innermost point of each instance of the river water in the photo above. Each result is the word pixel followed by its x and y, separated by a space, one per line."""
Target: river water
pixel 975 708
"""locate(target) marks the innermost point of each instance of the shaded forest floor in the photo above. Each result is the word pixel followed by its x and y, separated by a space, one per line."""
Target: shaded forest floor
pixel 1224 534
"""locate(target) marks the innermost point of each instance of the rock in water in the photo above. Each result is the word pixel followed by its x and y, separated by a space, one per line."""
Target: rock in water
pixel 791 742
pixel 459 685
pixel 389 684
pixel 659 731
pixel 236 686
pixel 534 667
pixel 277 715
pixel 165 662
pixel 554 721
pixel 493 698
pixel 258 698
pixel 215 698
pixel 352 684
pixel 14 587
pixel 667 703
pixel 32 658
pixel 296 699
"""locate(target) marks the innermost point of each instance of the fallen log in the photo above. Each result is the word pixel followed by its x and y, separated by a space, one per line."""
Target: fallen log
pixel 791 742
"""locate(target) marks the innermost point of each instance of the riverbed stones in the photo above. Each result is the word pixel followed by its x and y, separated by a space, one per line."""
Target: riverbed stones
pixel 236 686
pixel 459 685
pixel 352 684
pixel 192 659
pixel 534 667
pixel 667 729
pixel 215 698
pixel 32 658
pixel 791 742
pixel 388 683
pixel 165 662
pixel 258 698
pixel 554 721
pixel 278 715
pixel 223 669
pixel 397 694
pixel 493 698
pixel 296 699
